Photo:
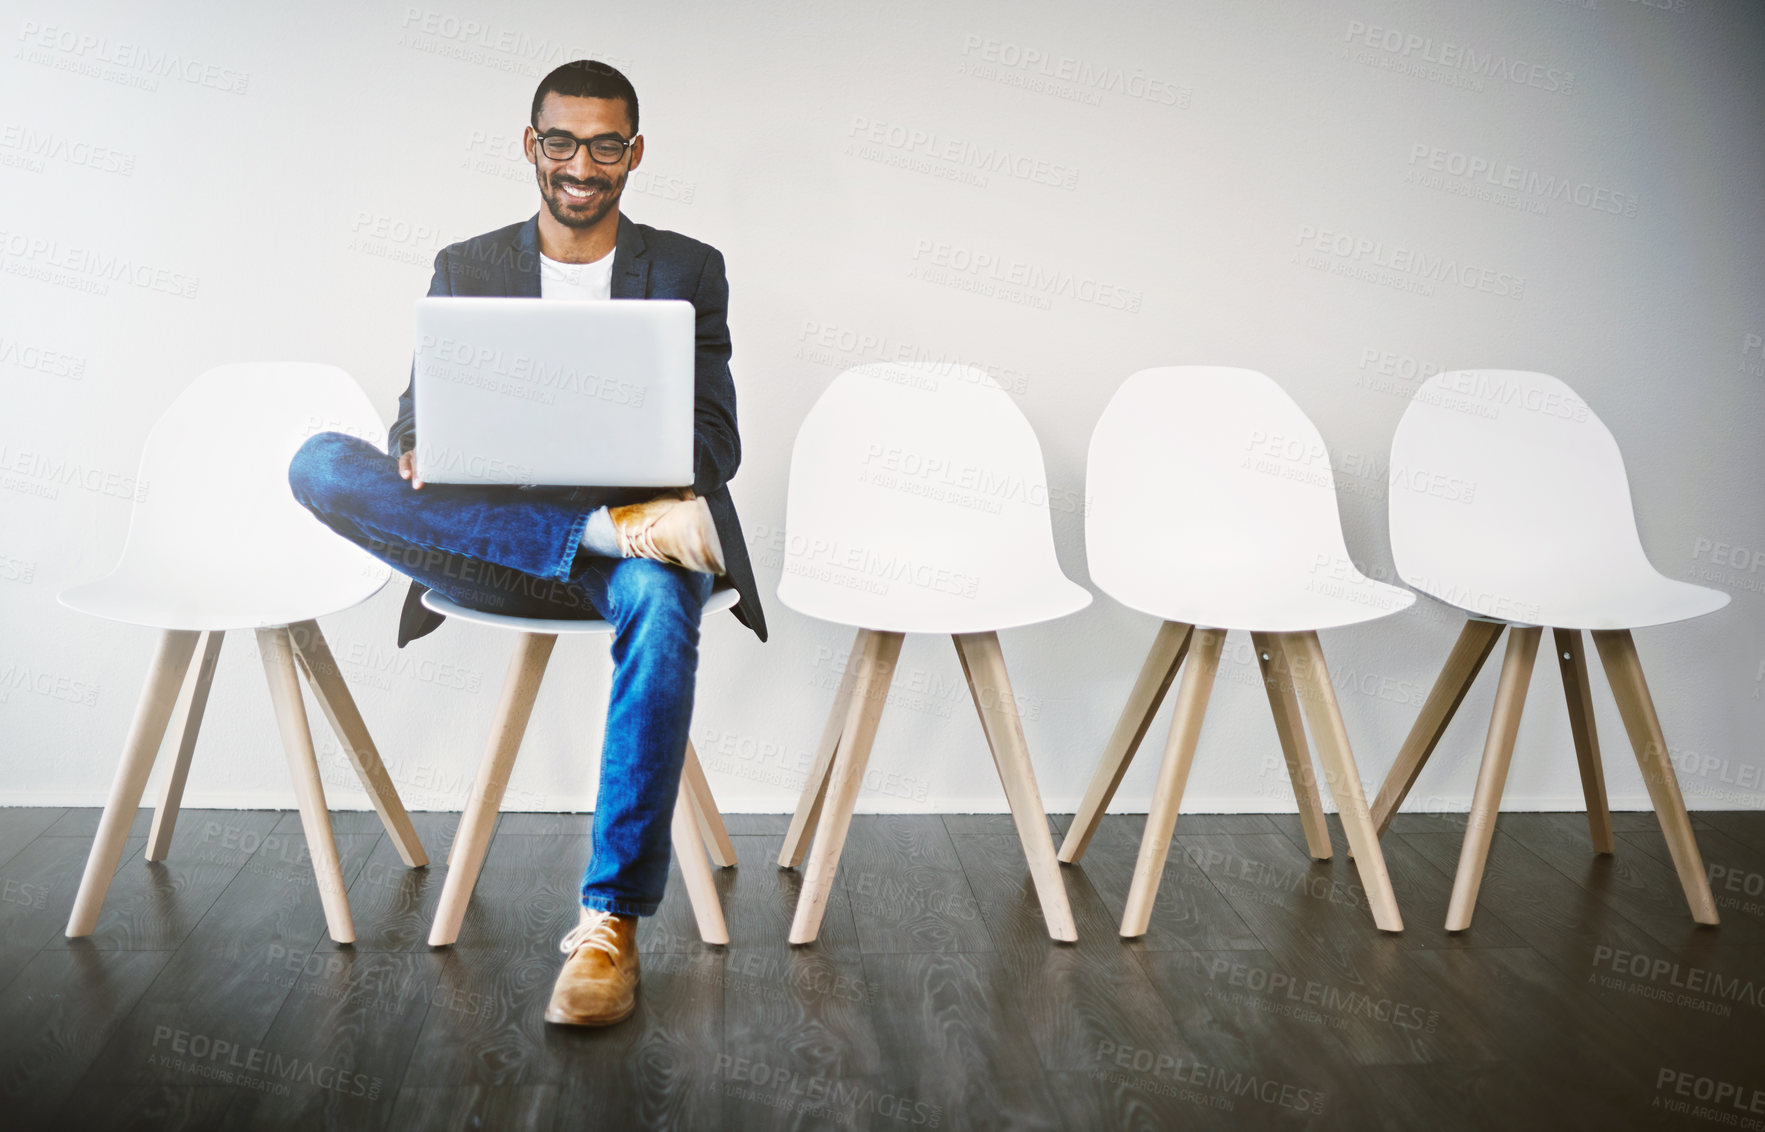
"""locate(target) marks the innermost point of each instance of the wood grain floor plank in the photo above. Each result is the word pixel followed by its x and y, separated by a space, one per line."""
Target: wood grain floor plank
pixel 903 881
pixel 146 1108
pixel 1004 895
pixel 339 1047
pixel 802 1012
pixel 154 905
pixel 467 1108
pixel 953 1035
pixel 933 993
pixel 37 887
pixel 759 899
pixel 342 821
pixel 1243 1012
pixel 1747 827
pixel 233 974
pixel 21 825
pixel 1636 885
pixel 1553 915
pixel 393 905
pixel 1422 891
pixel 57 1018
pixel 82 821
pixel 1189 914
pixel 1737 877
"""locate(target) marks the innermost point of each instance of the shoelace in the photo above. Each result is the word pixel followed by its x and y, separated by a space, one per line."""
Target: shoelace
pixel 641 543
pixel 595 932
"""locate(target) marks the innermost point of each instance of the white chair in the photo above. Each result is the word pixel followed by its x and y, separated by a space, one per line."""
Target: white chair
pixel 697 827
pixel 918 504
pixel 1212 506
pixel 1509 500
pixel 220 543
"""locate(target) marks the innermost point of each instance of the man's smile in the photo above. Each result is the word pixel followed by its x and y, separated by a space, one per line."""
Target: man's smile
pixel 573 191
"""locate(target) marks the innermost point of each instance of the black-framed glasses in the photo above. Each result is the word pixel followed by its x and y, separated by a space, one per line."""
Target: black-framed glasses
pixel 605 149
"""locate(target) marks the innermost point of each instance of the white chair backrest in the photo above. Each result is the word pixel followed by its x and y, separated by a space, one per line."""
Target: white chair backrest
pixel 219 540
pixel 1509 498
pixel 1211 501
pixel 918 503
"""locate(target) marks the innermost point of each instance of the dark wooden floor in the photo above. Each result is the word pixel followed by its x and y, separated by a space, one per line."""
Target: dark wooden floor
pixel 1583 996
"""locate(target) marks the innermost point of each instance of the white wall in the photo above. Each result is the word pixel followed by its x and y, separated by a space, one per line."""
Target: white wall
pixel 297 166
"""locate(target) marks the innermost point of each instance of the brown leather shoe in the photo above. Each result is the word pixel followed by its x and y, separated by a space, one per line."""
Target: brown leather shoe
pixel 675 528
pixel 598 985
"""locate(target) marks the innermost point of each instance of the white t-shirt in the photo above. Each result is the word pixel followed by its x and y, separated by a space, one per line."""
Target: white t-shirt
pixel 559 280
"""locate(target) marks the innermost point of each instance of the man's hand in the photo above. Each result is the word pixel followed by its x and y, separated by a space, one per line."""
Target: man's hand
pixel 407 468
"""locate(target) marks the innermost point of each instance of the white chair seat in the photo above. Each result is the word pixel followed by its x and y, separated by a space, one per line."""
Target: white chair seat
pixel 279 593
pixel 447 607
pixel 219 541
pixel 918 503
pixel 1265 596
pixel 1011 604
pixel 1210 501
pixel 1541 530
pixel 1627 599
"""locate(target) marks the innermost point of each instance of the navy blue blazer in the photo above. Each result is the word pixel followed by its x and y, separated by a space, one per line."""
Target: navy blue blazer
pixel 648 263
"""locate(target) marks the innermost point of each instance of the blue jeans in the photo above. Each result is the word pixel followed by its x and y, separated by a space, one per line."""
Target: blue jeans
pixel 503 550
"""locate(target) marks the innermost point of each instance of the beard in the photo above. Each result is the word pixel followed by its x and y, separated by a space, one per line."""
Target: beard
pixel 572 214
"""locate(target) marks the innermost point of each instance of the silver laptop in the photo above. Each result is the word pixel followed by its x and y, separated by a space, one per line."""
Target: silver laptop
pixel 571 392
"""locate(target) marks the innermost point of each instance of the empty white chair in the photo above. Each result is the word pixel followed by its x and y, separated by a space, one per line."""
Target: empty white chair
pixel 1509 500
pixel 219 543
pixel 918 503
pixel 1212 506
pixel 697 827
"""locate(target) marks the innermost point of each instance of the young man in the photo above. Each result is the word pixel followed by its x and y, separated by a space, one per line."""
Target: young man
pixel 645 562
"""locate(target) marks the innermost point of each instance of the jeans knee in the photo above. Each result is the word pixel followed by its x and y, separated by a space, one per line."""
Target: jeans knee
pixel 648 593
pixel 319 465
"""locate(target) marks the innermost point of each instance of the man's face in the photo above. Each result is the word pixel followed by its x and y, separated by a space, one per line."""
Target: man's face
pixel 579 192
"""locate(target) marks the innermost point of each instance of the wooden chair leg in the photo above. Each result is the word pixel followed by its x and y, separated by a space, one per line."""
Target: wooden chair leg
pixel 1162 661
pixel 1277 679
pixel 520 689
pixel 1572 660
pixel 695 867
pixel 704 811
pixel 185 726
pixel 983 666
pixel 277 650
pixel 869 692
pixel 1492 776
pixel 796 838
pixel 1476 641
pixel 1173 774
pixel 171 659
pixel 1624 673
pixel 1305 655
pixel 329 688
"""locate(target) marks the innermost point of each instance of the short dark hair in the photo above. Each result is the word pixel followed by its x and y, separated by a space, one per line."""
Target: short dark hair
pixel 587 78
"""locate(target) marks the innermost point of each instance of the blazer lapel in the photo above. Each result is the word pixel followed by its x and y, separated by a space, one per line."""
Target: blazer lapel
pixel 523 266
pixel 631 262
